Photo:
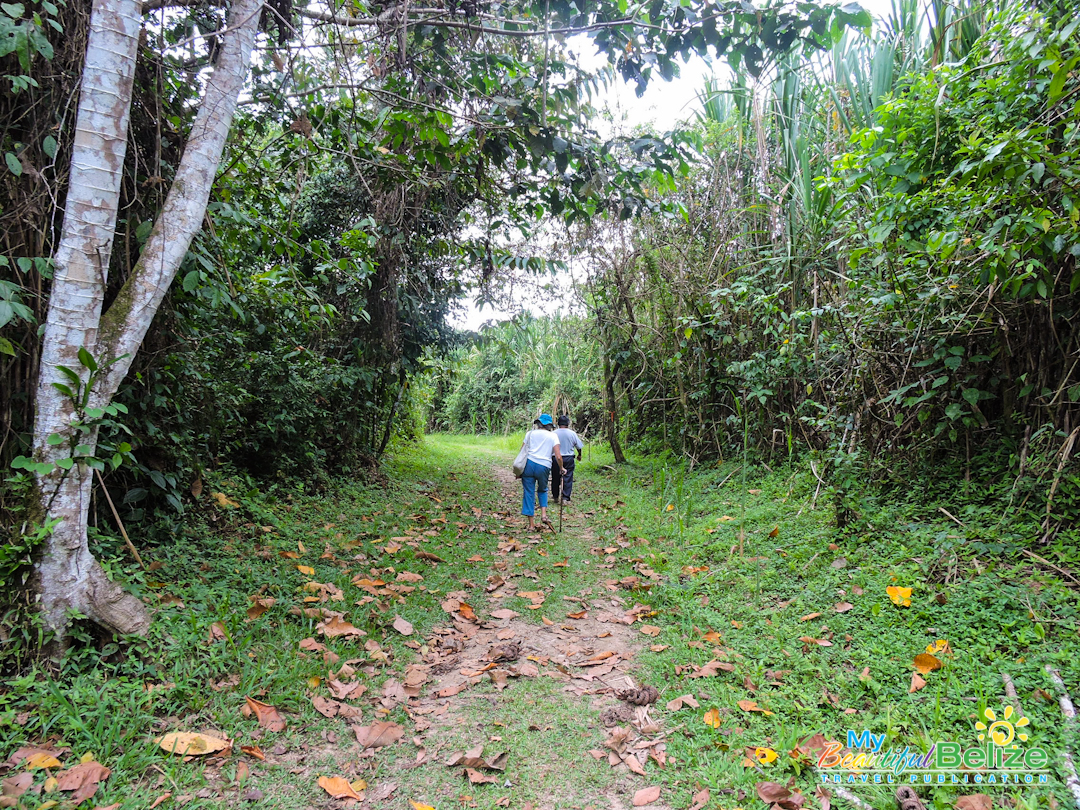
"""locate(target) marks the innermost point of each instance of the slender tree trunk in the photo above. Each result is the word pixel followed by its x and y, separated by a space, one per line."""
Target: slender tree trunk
pixel 68 578
pixel 611 417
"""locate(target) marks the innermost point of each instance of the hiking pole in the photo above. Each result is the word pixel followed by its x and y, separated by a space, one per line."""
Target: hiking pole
pixel 560 515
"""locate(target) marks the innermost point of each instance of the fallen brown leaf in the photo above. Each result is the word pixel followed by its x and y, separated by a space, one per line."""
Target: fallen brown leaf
pixel 378 734
pixel 681 701
pixel 974 801
pixel 917 683
pixel 267 715
pixel 402 626
pixel 339 788
pixel 477 778
pixel 646 796
pixel 82 780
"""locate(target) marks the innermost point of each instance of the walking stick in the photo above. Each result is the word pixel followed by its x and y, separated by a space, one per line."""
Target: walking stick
pixel 560 515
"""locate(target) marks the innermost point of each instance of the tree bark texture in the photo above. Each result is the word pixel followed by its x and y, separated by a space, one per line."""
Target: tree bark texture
pixel 68 578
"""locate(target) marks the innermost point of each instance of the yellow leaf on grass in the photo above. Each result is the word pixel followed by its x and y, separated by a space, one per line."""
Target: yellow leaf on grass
pixel 712 718
pixel 765 755
pixel 41 760
pixel 306 570
pixel 418 806
pixel 189 744
pixel 901 597
pixel 939 647
pixel 712 637
pixel 926 663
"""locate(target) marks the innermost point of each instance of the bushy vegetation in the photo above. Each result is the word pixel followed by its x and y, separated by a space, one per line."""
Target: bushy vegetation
pixel 516 370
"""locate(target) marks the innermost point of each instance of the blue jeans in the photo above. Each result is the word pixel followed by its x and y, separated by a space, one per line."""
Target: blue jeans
pixel 535 477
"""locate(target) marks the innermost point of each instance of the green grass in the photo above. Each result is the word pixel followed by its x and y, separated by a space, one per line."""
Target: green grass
pixel 998 613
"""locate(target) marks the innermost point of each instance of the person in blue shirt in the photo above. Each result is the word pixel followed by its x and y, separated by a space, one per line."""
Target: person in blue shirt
pixel 562 480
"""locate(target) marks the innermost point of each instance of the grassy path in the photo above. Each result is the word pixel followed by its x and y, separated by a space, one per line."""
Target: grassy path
pixel 423 616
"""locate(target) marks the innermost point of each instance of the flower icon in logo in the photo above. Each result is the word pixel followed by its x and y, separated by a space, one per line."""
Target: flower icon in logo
pixel 1001 732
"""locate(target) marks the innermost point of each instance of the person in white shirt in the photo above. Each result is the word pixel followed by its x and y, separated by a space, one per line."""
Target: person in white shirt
pixel 543 447
pixel 562 480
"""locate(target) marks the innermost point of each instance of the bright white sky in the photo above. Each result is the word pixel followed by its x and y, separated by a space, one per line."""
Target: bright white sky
pixel 664 104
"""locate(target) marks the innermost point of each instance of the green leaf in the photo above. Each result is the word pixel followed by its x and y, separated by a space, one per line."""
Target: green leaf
pixel 48 146
pixel 6 347
pixel 54 439
pixel 14 10
pixel 971 395
pixel 13 164
pixel 65 463
pixel 87 359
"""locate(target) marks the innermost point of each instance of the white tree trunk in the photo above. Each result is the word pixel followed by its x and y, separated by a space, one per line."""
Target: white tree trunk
pixel 68 577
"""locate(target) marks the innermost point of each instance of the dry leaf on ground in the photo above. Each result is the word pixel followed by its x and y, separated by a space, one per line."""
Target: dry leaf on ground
pixel 917 683
pixel 82 780
pixel 41 759
pixel 712 668
pixel 336 626
pixel 378 734
pixel 268 716
pixel 926 663
pixel 682 701
pixel 940 647
pixel 701 798
pixel 191 744
pixel 843 607
pixel 402 626
pixel 339 787
pixel 477 778
pixel 712 718
pixel 751 706
pixel 974 801
pixel 646 796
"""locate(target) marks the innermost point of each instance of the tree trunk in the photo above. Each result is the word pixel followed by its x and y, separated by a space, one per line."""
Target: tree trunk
pixel 68 578
pixel 611 419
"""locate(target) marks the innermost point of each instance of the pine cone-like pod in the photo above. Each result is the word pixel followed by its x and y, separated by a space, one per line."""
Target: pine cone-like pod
pixel 505 652
pixel 908 799
pixel 639 697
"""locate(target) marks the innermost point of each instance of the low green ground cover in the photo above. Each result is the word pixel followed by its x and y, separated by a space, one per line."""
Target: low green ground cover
pixel 734 563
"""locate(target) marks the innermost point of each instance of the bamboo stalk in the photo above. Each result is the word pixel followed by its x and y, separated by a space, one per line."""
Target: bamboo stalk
pixel 120 523
pixel 1067 709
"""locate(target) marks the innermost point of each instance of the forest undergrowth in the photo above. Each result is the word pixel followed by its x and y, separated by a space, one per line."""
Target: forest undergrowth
pixel 320 640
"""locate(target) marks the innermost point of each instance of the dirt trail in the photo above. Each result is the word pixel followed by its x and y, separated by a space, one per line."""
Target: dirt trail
pixel 591 653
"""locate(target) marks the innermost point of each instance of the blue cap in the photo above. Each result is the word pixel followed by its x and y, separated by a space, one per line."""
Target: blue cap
pixel 545 419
